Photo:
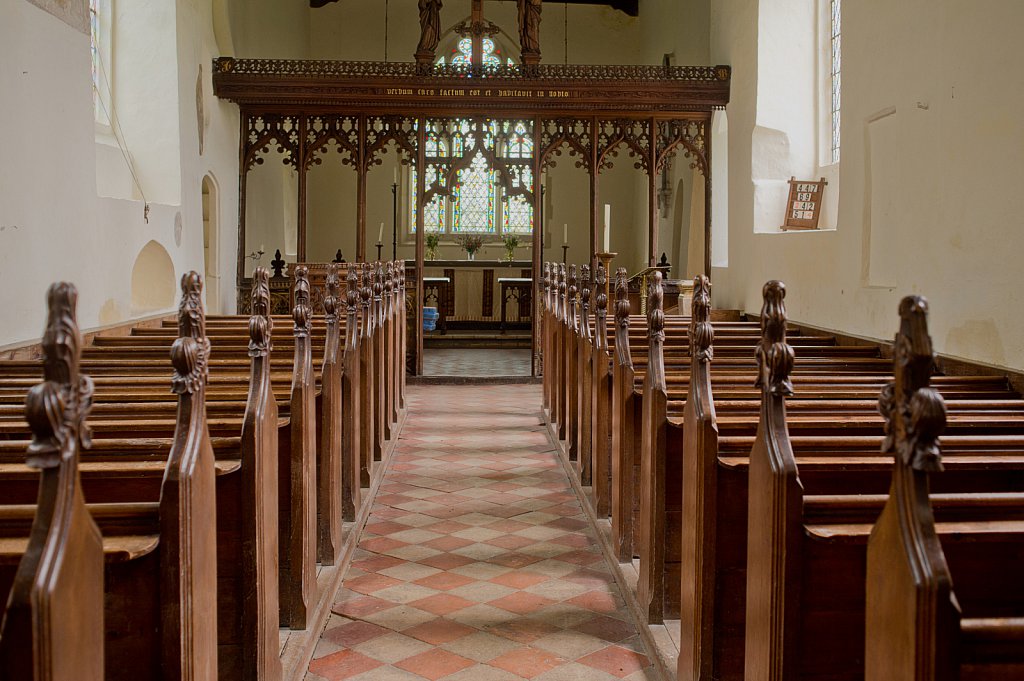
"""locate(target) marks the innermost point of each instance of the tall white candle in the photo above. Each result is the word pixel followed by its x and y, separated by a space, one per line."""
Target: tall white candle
pixel 380 234
pixel 396 176
pixel 607 227
pixel 565 233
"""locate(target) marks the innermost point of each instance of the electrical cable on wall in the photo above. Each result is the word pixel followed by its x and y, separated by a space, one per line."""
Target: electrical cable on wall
pixel 386 16
pixel 115 128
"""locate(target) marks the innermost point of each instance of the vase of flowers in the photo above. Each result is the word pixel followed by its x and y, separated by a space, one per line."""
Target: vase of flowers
pixel 511 242
pixel 470 243
pixel 432 241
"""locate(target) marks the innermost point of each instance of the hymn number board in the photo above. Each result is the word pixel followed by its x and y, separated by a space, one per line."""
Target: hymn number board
pixel 804 206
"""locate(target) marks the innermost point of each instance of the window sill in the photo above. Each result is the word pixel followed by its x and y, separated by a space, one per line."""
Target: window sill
pixel 779 230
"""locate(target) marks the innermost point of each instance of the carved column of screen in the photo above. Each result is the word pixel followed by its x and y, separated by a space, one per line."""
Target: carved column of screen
pixel 690 135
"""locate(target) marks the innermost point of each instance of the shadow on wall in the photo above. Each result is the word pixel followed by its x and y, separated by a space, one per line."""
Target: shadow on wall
pixel 153 281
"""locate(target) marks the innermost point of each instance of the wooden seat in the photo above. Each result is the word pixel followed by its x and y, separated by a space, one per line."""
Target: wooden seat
pixel 138 430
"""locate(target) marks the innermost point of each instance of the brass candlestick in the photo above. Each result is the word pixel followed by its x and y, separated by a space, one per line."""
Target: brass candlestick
pixel 565 253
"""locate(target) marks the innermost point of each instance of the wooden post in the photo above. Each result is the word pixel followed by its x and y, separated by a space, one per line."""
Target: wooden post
pixel 595 172
pixel 300 166
pixel 361 170
pixel 652 195
pixel 706 170
pixel 421 171
pixel 243 174
pixel 538 249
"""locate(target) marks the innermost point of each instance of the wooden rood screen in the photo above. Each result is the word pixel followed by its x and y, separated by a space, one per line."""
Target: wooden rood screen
pixel 300 108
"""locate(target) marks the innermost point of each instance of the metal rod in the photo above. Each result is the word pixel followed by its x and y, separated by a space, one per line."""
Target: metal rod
pixel 394 221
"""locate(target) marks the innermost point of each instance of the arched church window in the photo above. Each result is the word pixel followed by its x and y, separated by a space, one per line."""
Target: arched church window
pixel 462 53
pixel 473 198
pixel 99 43
pixel 478 202
pixel 835 44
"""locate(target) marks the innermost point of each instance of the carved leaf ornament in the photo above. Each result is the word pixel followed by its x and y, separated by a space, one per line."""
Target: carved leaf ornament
pixel 261 326
pixel 190 352
pixel 914 413
pixel 774 356
pixel 702 334
pixel 57 408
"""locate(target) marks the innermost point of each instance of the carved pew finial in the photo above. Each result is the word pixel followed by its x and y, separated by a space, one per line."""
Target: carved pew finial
pixel 774 354
pixel 331 286
pixel 190 353
pixel 261 325
pixel 655 312
pixel 54 615
pixel 563 289
pixel 912 614
pixel 572 294
pixel 601 300
pixel 702 334
pixel 352 292
pixel 302 313
pixel 914 413
pixel 585 301
pixel 622 309
pixel 601 307
pixel 545 284
pixel 57 408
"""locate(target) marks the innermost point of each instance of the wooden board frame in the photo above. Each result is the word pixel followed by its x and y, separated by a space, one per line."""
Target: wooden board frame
pixel 805 196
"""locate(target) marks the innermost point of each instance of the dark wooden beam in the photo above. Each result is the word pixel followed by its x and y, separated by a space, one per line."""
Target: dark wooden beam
pixel 630 7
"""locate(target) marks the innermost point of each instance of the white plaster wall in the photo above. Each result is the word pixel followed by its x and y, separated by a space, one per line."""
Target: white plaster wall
pixel 932 162
pixel 53 226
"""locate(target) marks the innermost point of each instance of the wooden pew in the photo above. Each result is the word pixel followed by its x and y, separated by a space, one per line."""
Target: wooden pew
pixel 159 616
pixel 625 415
pixel 584 357
pixel 917 626
pixel 717 573
pixel 52 626
pixel 600 404
pixel 806 550
pixel 247 488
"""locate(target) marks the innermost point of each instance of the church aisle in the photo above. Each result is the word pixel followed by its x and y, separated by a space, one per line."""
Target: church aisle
pixel 477 562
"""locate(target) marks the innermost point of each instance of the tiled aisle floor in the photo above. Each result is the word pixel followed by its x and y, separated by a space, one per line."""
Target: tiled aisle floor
pixel 475 362
pixel 477 562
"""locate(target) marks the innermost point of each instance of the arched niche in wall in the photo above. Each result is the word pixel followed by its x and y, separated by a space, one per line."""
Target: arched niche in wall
pixel 153 280
pixel 211 243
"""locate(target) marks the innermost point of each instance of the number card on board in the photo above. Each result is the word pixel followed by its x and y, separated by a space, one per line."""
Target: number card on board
pixel 804 206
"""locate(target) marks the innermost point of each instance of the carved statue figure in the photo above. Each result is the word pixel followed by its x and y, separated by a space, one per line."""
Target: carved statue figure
pixel 430 26
pixel 529 26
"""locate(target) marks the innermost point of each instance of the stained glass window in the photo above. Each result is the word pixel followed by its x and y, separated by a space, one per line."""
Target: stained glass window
pixel 462 53
pixel 473 198
pixel 478 202
pixel 434 213
pixel 835 25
